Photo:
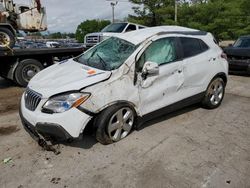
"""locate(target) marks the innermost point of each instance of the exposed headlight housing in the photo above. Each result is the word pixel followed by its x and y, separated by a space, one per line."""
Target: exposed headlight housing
pixel 64 102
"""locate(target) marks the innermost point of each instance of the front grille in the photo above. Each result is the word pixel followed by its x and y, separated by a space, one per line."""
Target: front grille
pixel 92 39
pixel 32 99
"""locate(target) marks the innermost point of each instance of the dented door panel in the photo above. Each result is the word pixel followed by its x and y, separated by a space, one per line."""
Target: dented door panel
pixel 165 89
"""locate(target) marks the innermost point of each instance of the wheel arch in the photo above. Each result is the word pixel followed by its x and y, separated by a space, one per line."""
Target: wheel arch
pixel 223 76
pixel 121 102
pixel 8 26
pixel 91 125
pixel 220 75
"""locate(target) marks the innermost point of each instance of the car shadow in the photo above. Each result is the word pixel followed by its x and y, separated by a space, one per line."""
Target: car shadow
pixel 87 139
pixel 168 116
pixel 4 83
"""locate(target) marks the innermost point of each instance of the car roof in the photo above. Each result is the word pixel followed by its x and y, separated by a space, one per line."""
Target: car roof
pixel 138 36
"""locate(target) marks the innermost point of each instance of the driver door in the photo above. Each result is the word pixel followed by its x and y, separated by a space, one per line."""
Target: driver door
pixel 161 88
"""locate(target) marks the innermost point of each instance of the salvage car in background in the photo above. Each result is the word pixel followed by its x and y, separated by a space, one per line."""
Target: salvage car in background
pixel 124 81
pixel 111 30
pixel 239 55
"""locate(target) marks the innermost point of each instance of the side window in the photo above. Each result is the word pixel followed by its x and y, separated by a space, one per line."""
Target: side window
pixel 204 46
pixel 192 46
pixel 245 43
pixel 140 27
pixel 131 28
pixel 161 52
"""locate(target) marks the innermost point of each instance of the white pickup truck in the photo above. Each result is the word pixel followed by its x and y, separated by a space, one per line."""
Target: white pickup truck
pixel 111 30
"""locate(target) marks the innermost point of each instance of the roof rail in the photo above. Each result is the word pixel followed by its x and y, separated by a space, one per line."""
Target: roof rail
pixel 183 32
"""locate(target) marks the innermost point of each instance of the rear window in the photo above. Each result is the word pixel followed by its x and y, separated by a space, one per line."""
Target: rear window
pixel 192 46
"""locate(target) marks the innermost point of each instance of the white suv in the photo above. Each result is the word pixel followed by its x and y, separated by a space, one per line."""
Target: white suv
pixel 124 81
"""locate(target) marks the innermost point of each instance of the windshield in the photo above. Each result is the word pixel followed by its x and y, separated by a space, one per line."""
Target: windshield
pixel 108 55
pixel 242 43
pixel 115 28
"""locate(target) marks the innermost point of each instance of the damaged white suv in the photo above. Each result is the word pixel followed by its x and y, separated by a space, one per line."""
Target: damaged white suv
pixel 124 81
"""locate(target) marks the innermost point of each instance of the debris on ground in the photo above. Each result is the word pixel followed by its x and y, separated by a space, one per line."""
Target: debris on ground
pixel 7 160
pixel 49 146
pixel 55 180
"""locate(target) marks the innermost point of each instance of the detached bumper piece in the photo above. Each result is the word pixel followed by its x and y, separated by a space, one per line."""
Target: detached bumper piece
pixel 46 134
pixel 52 132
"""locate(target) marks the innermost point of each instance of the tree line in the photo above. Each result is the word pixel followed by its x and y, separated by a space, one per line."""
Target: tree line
pixel 226 19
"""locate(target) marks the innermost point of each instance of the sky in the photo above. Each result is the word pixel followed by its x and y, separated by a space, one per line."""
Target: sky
pixel 66 15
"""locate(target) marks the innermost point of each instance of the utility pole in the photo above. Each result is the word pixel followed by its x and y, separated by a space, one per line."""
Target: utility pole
pixel 113 4
pixel 176 11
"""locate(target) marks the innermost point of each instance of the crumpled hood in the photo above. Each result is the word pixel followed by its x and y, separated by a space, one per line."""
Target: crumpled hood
pixel 66 76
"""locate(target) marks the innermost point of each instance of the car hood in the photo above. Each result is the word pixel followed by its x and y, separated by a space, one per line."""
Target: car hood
pixel 66 76
pixel 108 34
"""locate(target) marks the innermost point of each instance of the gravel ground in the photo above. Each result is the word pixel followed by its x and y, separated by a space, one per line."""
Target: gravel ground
pixel 193 147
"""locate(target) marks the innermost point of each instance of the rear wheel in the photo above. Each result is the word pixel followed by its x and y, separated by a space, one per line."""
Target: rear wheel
pixel 114 123
pixel 214 94
pixel 7 39
pixel 25 70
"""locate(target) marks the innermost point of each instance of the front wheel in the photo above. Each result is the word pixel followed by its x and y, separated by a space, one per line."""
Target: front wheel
pixel 114 123
pixel 7 39
pixel 214 94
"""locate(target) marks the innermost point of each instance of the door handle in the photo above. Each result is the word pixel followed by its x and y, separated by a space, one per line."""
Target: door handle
pixel 212 59
pixel 179 71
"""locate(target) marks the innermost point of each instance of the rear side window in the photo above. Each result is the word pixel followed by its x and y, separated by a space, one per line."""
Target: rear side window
pixel 192 46
pixel 131 28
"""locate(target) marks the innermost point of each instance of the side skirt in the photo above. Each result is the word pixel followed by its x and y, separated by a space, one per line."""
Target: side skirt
pixel 168 109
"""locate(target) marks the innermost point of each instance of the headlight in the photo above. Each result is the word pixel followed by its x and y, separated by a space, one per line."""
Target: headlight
pixel 62 103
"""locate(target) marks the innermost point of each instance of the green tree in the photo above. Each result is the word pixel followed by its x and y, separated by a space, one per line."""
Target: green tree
pixel 226 19
pixel 152 12
pixel 90 26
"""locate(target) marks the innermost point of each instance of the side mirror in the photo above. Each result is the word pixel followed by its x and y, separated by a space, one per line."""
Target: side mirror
pixel 230 45
pixel 150 69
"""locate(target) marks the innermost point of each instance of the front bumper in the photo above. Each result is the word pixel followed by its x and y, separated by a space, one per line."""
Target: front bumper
pixel 57 127
pixel 241 66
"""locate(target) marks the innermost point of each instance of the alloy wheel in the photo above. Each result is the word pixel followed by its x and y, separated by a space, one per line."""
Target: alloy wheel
pixel 216 91
pixel 120 124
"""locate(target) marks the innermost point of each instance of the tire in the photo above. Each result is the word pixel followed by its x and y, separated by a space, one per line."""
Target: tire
pixel 214 94
pixel 109 130
pixel 7 39
pixel 25 70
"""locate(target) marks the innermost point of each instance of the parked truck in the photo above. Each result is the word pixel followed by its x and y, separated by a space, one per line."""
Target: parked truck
pixel 21 65
pixel 15 17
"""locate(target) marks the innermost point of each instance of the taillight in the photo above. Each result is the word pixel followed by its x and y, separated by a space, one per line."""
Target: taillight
pixel 224 56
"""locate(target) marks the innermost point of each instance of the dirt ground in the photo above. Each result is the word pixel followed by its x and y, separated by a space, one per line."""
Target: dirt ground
pixel 193 147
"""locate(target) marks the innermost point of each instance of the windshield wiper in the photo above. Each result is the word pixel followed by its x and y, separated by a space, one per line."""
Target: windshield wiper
pixel 104 64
